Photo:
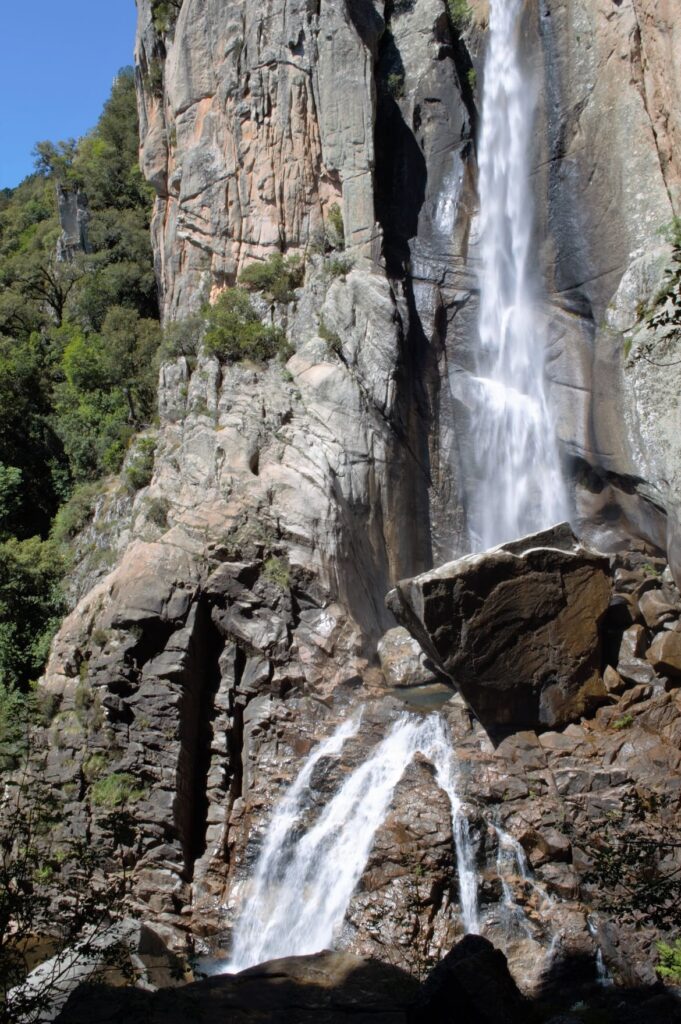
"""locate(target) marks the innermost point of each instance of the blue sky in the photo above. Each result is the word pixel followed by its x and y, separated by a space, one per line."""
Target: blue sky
pixel 57 62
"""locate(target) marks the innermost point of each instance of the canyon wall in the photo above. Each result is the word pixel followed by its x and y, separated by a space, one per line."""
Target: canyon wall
pixel 248 596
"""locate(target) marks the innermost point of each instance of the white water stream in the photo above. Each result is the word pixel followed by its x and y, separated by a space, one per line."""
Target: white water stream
pixel 518 486
pixel 303 884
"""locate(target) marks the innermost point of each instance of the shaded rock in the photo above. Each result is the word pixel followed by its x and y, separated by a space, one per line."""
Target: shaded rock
pixel 613 680
pixel 403 663
pixel 326 988
pixel 471 985
pixel 516 628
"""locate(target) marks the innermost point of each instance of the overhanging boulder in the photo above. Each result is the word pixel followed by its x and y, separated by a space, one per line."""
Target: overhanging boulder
pixel 516 628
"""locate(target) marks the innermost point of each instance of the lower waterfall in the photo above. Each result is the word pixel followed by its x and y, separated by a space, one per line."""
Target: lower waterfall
pixel 304 880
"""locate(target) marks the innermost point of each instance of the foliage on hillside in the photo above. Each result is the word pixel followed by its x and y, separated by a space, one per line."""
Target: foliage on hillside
pixel 78 344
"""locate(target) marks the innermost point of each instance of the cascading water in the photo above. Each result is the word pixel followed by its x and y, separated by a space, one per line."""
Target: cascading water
pixel 517 486
pixel 303 883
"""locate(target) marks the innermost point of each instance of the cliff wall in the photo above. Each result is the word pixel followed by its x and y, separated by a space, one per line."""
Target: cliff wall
pixel 243 617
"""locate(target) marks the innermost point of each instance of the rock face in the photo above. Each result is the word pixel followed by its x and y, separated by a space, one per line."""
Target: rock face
pixel 241 615
pixel 516 628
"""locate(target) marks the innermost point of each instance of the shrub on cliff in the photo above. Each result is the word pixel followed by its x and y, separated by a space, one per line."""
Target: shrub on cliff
pixel 234 330
pixel 277 277
pixel 78 365
pixel 164 13
pixel 670 961
pixel 459 14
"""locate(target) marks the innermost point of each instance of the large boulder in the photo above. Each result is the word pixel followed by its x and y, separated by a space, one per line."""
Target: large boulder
pixel 516 628
pixel 471 985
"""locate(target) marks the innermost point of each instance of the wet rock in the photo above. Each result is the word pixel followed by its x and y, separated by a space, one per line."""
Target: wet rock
pixel 516 628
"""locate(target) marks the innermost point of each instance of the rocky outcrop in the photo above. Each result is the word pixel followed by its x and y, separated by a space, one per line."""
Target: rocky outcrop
pixel 473 978
pixel 606 186
pixel 402 660
pixel 248 141
pixel 516 628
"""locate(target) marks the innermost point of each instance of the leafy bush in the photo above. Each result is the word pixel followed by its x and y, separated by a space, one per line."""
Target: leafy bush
pixel 66 889
pixel 338 266
pixel 157 512
pixel 31 606
pixel 76 513
pixel 181 338
pixel 277 571
pixel 459 14
pixel 336 228
pixel 140 469
pixel 14 717
pixel 670 961
pixel 164 13
pixel 116 790
pixel 277 277
pixel 625 722
pixel 332 338
pixel 235 332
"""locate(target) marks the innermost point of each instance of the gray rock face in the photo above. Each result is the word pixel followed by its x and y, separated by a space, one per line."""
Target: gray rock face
pixel 516 628
pixel 73 220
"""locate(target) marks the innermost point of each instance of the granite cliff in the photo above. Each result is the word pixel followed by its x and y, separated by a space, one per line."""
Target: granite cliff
pixel 243 615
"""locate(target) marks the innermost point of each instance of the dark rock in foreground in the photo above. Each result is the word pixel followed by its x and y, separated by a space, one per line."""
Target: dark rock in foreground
pixel 472 983
pixel 326 988
pixel 517 628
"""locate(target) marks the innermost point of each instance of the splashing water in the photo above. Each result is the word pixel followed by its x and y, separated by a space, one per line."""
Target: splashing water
pixel 518 487
pixel 303 883
pixel 512 863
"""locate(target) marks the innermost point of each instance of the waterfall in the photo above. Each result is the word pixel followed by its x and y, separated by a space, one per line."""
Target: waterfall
pixel 517 486
pixel 303 883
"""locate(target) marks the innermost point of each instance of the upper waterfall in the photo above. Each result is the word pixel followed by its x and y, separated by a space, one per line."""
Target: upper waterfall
pixel 518 486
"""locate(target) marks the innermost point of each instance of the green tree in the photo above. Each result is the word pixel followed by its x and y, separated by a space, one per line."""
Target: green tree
pixel 28 443
pixel 31 607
